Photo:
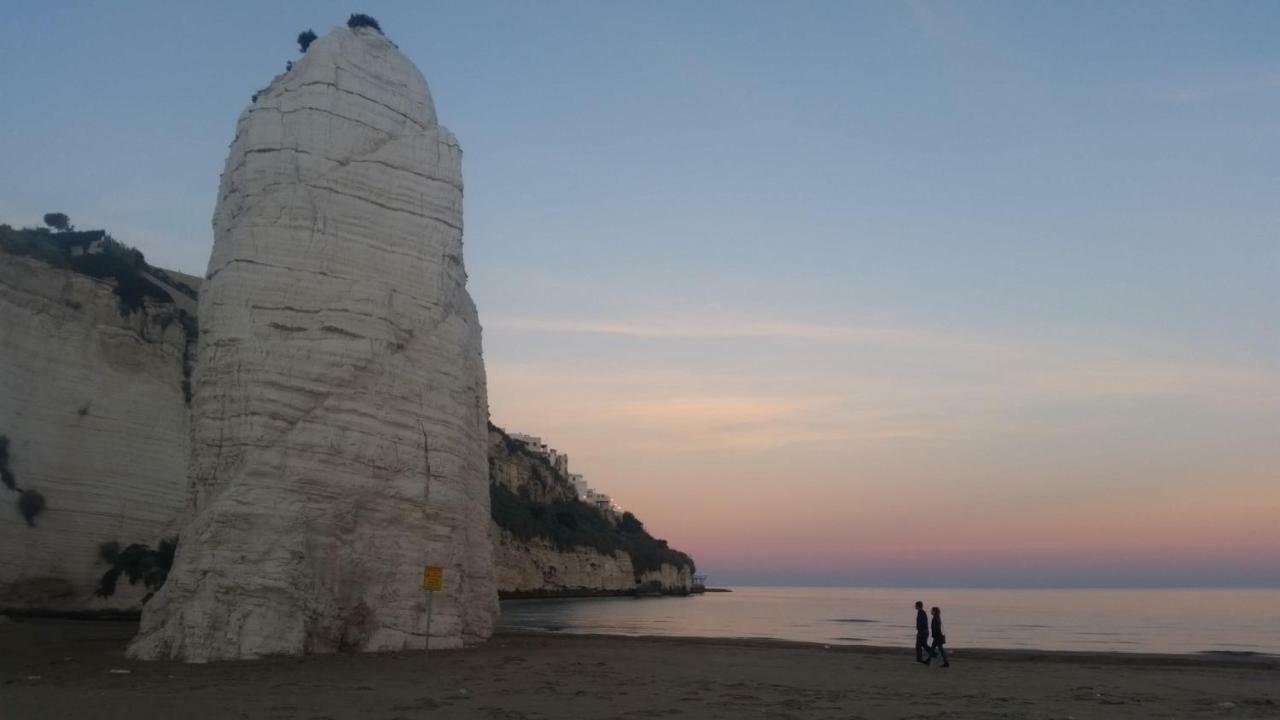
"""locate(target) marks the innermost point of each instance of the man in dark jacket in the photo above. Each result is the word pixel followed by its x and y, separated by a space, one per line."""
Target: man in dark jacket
pixel 922 635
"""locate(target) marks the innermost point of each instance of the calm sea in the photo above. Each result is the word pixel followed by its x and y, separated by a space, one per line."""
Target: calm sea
pixel 1163 621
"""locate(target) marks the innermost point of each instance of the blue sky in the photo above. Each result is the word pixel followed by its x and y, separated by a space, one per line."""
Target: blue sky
pixel 849 267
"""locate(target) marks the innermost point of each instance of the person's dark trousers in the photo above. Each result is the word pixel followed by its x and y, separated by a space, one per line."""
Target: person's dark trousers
pixel 922 647
pixel 940 650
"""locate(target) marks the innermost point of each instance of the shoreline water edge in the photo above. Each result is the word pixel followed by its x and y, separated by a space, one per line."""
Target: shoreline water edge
pixel 1177 622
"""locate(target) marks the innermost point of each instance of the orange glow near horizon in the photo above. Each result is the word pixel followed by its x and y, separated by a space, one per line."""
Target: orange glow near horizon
pixel 1005 457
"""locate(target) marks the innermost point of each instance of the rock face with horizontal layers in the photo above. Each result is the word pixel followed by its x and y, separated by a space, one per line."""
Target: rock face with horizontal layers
pixel 339 416
pixel 91 403
pixel 526 473
pixel 537 568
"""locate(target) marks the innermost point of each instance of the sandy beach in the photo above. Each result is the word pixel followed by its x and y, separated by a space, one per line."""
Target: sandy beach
pixel 76 669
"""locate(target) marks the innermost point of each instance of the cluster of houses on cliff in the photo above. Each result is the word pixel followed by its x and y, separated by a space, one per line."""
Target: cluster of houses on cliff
pixel 560 461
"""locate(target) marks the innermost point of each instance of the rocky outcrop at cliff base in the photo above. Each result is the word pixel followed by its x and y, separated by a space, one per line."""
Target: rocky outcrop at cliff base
pixel 537 568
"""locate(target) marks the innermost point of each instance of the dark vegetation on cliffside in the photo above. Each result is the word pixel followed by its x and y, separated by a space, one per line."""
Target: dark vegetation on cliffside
pixel 139 563
pixel 30 502
pixel 6 474
pixel 569 523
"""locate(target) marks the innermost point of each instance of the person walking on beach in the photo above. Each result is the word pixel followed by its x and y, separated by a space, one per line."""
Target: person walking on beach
pixel 922 635
pixel 939 639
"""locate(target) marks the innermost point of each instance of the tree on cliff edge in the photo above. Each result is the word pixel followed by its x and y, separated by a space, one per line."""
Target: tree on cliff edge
pixel 58 221
pixel 305 38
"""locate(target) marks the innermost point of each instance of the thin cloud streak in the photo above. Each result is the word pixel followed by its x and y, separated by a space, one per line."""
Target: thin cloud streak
pixel 1206 90
pixel 707 330
pixel 1018 367
pixel 816 387
pixel 730 329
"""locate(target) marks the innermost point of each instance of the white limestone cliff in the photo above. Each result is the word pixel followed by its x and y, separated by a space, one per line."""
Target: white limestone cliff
pixel 671 579
pixel 336 335
pixel 537 568
pixel 91 401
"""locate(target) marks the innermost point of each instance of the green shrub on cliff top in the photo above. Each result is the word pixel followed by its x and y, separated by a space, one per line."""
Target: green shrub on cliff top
pixel 359 20
pixel 305 38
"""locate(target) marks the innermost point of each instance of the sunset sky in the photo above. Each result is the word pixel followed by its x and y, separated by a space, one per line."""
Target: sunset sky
pixel 922 293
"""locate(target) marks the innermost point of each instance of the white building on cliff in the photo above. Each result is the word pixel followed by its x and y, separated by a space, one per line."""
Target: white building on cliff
pixel 560 461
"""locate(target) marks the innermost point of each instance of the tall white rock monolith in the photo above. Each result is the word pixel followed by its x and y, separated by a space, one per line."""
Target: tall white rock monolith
pixel 339 417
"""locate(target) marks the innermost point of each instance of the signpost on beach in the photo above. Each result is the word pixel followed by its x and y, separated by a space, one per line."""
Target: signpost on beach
pixel 432 582
pixel 432 575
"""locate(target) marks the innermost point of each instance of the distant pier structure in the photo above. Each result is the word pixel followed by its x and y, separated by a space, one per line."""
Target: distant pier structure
pixel 699 585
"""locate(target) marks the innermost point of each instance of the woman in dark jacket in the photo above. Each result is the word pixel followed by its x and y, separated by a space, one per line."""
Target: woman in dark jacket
pixel 939 640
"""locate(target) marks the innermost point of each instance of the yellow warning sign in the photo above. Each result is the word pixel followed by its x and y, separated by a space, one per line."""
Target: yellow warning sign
pixel 433 578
